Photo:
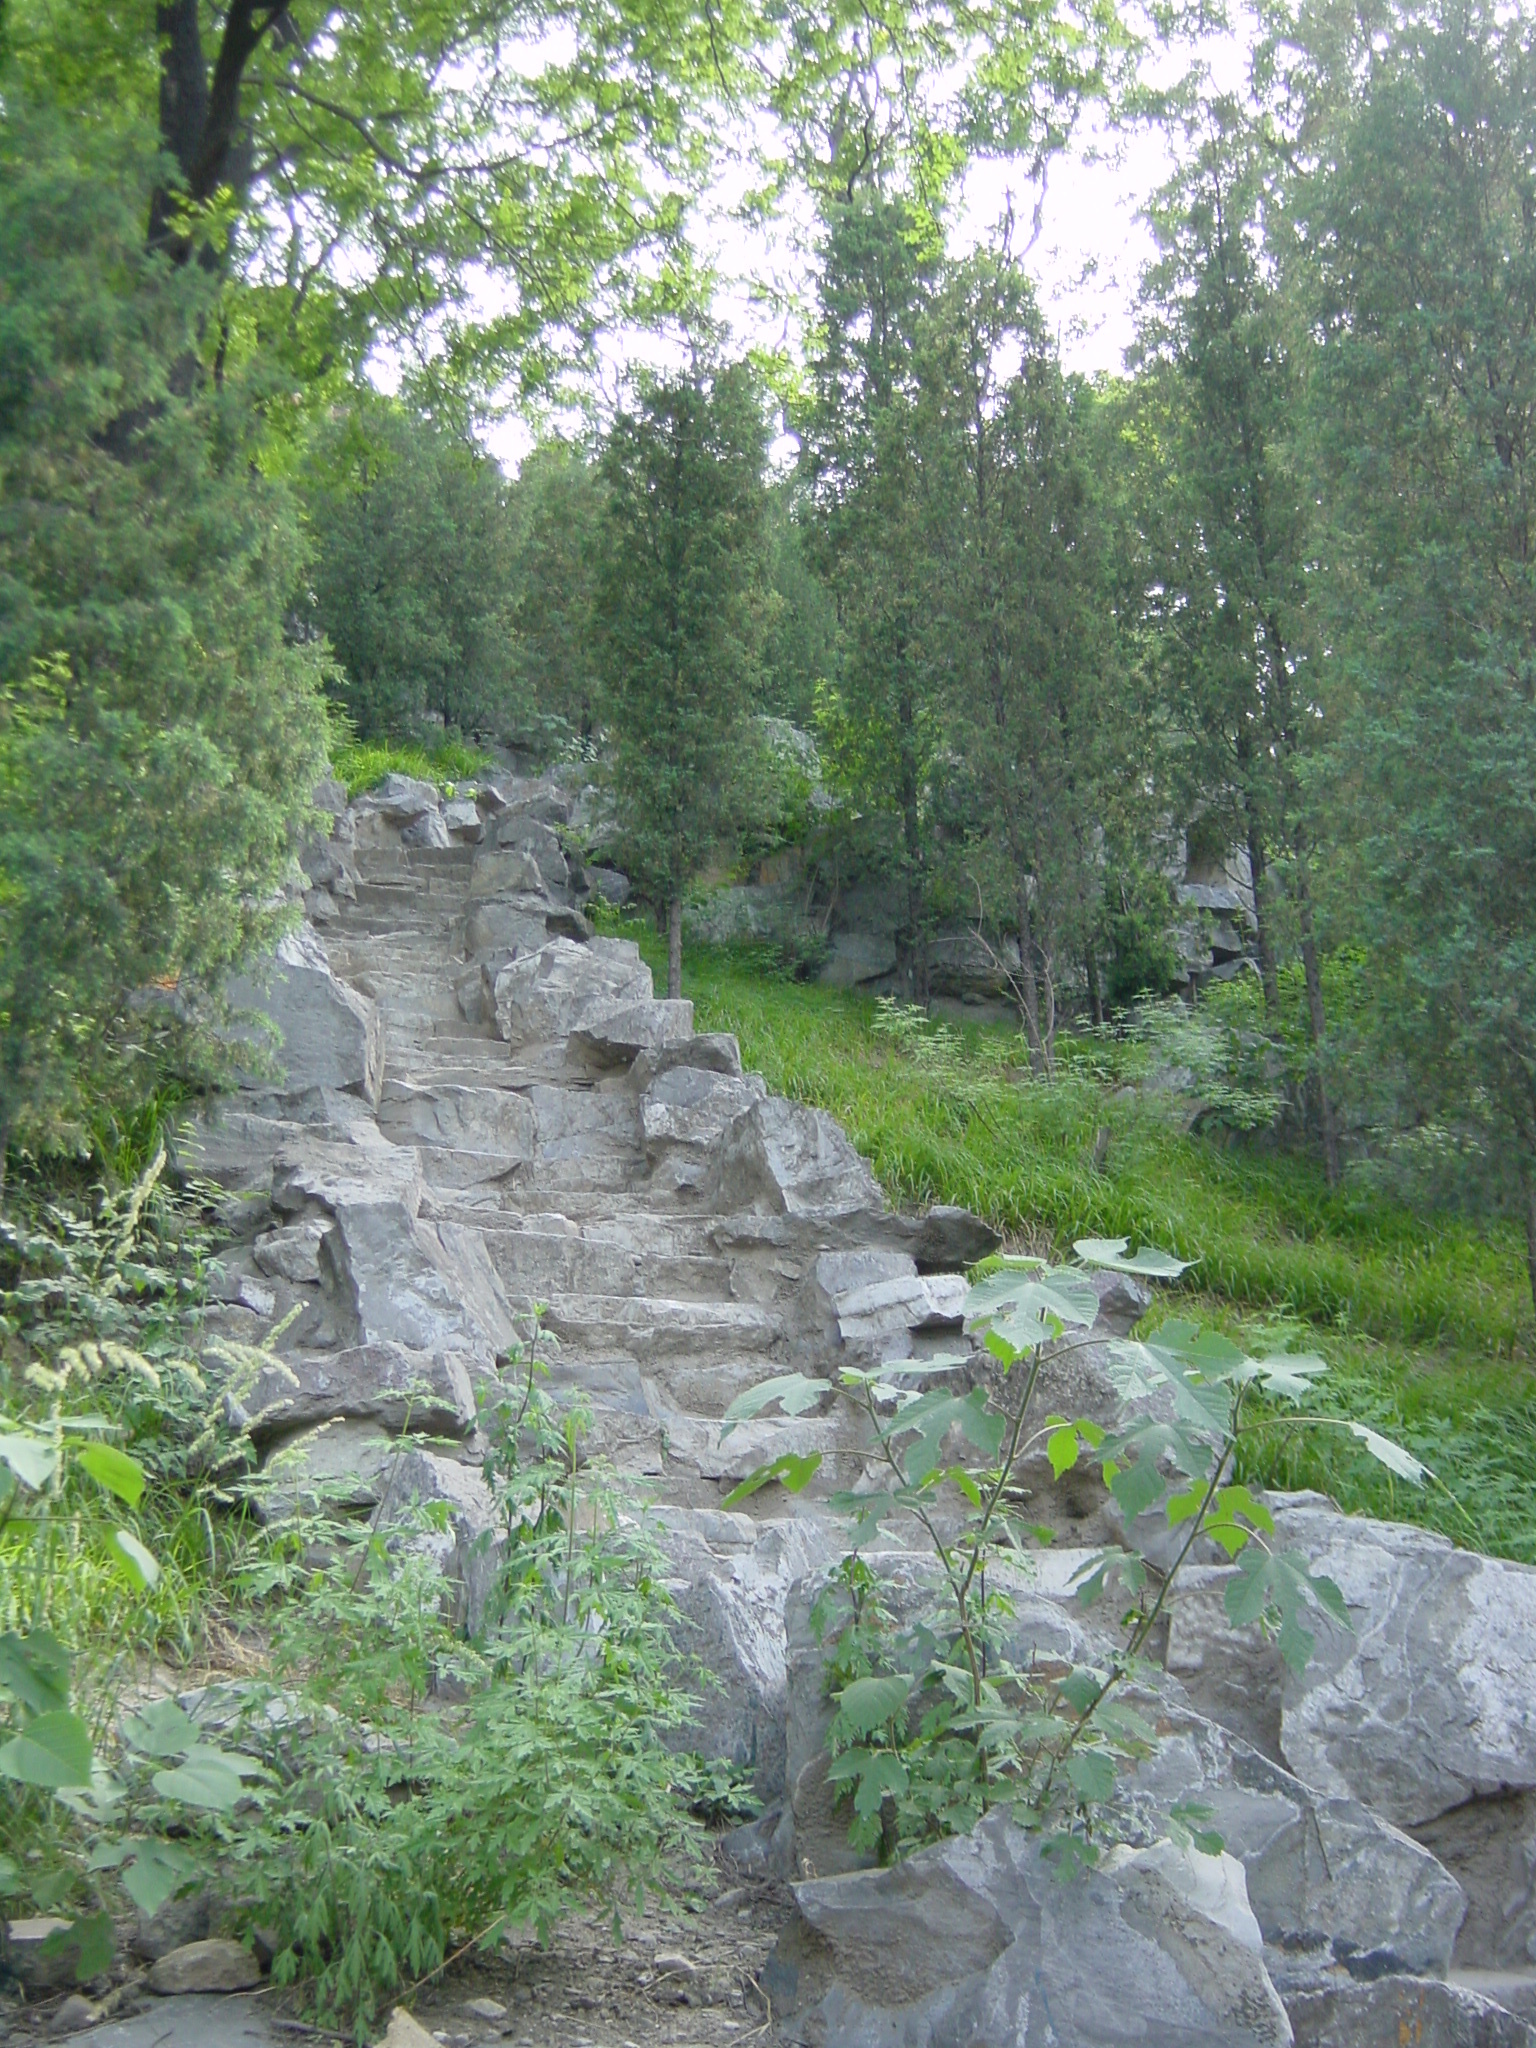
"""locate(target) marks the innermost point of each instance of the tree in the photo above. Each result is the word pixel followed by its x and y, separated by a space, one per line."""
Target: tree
pixel 1232 534
pixel 880 722
pixel 1015 568
pixel 1418 215
pixel 558 505
pixel 677 616
pixel 365 167
pixel 160 739
pixel 413 573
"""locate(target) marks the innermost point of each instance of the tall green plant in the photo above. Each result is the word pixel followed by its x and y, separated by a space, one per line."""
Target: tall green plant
pixel 934 1725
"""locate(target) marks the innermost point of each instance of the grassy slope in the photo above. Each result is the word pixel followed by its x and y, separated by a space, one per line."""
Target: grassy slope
pixel 1426 1324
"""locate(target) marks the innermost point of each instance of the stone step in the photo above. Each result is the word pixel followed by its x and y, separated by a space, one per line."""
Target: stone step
pixel 543 1265
pixel 653 1327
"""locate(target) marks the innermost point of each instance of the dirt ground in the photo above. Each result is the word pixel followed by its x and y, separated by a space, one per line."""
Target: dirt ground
pixel 670 1980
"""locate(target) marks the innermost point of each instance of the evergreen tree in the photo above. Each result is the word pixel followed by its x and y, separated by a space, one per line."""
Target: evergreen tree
pixel 1419 217
pixel 558 504
pixel 881 725
pixel 678 618
pixel 160 737
pixel 413 574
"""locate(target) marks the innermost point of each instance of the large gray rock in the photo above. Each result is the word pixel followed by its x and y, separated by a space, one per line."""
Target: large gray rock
pixel 1432 1700
pixel 204 1966
pixel 978 1942
pixel 618 1038
pixel 783 1159
pixel 1332 1885
pixel 381 1383
pixel 684 1112
pixel 1404 2012
pixel 485 1133
pixel 564 987
pixel 396 1278
pixel 731 1578
pixel 507 924
pixel 873 1300
pixel 331 1036
pixel 469 1550
pixel 400 799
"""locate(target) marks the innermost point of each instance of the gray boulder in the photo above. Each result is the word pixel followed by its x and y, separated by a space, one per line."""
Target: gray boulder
pixel 783 1159
pixel 382 1383
pixel 564 987
pixel 1404 2012
pixel 430 830
pixel 873 1300
pixel 400 798
pixel 510 924
pixel 947 1239
pixel 730 1578
pixel 979 1941
pixel 331 1037
pixel 618 1038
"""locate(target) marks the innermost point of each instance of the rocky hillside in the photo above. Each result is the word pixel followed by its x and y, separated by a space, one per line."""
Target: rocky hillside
pixel 480 1108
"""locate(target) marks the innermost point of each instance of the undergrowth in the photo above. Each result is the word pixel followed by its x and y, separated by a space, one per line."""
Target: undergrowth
pixel 1425 1319
pixel 362 764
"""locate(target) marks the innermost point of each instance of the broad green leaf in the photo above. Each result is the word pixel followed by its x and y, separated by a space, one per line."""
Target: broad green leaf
pixel 114 1470
pixel 33 1461
pixel 206 1779
pixel 162 1729
pixel 868 1704
pixel 1289 1375
pixel 136 1563
pixel 156 1873
pixel 34 1670
pixel 89 1941
pixel 794 1392
pixel 1278 1588
pixel 1392 1455
pixel 52 1751
pixel 1082 1688
pixel 1092 1773
pixel 1148 1263
pixel 1061 1448
pixel 793 1471
pixel 883 1773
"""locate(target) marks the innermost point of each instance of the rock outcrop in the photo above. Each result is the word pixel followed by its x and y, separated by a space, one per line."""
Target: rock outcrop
pixel 478 1109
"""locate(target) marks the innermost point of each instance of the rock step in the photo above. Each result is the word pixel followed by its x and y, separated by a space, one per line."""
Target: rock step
pixel 543 1265
pixel 645 1327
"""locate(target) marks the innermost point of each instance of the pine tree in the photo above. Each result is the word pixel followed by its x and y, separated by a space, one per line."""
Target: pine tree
pixel 677 616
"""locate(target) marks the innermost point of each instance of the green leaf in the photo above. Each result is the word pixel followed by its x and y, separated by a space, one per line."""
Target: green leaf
pixel 114 1470
pixel 1092 1773
pixel 33 1461
pixel 1392 1455
pixel 1082 1688
pixel 52 1751
pixel 34 1670
pixel 1148 1263
pixel 157 1871
pixel 91 1942
pixel 207 1778
pixel 868 1704
pixel 136 1563
pixel 884 1772
pixel 161 1729
pixel 794 1392
pixel 1061 1448
pixel 1289 1376
pixel 793 1471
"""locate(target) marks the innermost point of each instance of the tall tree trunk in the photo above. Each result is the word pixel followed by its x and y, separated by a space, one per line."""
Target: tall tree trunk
pixel 1258 868
pixel 1028 984
pixel 200 114
pixel 674 948
pixel 1317 1022
pixel 1095 991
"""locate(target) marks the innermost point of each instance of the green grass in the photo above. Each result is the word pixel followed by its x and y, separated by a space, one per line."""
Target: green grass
pixel 1426 1322
pixel 361 764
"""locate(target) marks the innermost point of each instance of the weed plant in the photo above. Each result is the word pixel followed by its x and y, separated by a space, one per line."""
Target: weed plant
pixel 363 764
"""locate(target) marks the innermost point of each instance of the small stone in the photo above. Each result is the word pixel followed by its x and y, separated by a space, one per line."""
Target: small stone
pixel 73 2015
pixel 486 2009
pixel 38 1968
pixel 672 1963
pixel 205 1966
pixel 404 2032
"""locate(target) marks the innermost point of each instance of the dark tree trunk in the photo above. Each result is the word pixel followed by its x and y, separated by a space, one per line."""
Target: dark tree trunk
pixel 199 113
pixel 674 949
pixel 1029 986
pixel 1258 868
pixel 1317 1022
pixel 1095 991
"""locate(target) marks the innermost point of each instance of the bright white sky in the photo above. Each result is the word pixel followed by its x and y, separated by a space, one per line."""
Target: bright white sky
pixel 1086 260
